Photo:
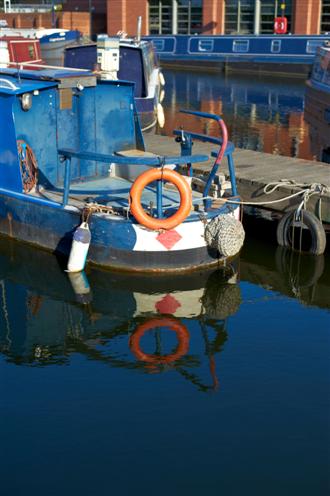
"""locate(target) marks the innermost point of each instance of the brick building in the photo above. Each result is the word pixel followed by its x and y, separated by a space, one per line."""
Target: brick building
pixel 217 16
pixel 182 16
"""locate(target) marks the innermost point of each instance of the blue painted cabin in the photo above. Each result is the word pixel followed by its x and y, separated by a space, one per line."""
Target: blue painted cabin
pixel 275 54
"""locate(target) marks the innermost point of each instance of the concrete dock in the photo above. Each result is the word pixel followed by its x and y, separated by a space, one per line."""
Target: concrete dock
pixel 254 170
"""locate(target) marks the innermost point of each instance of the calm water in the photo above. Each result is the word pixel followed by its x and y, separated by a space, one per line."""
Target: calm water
pixel 211 384
pixel 262 113
pixel 215 383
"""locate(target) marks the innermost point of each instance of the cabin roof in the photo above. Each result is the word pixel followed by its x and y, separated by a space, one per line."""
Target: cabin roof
pixel 16 87
pixel 30 80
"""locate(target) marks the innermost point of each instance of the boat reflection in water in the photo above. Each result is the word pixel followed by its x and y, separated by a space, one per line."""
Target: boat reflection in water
pixel 146 324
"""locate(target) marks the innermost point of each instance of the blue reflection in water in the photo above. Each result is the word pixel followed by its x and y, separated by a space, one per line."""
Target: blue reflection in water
pixel 263 114
pixel 212 383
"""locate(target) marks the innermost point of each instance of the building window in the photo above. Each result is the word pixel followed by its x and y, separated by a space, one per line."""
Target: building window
pixel 160 17
pixel 325 17
pixel 239 16
pixel 269 9
pixel 175 16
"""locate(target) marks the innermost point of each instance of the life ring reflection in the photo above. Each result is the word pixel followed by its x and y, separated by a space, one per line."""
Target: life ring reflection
pixel 169 323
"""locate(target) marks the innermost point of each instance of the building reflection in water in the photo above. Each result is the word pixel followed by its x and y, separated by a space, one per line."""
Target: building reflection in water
pixel 262 114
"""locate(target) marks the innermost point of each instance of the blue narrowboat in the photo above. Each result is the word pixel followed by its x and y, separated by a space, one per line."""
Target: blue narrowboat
pixel 128 59
pixel 72 154
pixel 317 104
pixel 275 54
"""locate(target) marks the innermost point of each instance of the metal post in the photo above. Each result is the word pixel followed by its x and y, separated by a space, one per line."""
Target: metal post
pixel 67 175
pixel 257 6
pixel 160 199
pixel 53 14
pixel 174 17
pixel 90 8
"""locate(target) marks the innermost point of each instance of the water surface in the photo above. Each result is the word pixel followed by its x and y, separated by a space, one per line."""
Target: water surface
pixel 213 383
pixel 262 113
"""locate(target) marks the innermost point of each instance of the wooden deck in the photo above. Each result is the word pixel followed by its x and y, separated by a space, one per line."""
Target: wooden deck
pixel 254 170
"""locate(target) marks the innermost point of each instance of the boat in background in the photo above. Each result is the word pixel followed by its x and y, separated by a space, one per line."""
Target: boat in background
pixel 273 54
pixel 72 159
pixel 52 41
pixel 317 104
pixel 16 49
pixel 128 59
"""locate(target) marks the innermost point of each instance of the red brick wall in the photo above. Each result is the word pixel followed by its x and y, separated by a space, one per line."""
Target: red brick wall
pixel 66 20
pixel 122 15
pixel 306 18
pixel 98 6
pixel 213 16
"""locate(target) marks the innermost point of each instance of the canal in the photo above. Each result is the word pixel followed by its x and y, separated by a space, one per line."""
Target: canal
pixel 211 383
pixel 262 113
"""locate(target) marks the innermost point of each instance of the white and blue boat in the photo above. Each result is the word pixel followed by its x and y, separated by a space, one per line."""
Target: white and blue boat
pixel 72 153
pixel 128 59
pixel 273 54
pixel 52 41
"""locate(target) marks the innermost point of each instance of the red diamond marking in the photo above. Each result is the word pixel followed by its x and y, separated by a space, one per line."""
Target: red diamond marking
pixel 169 238
pixel 168 304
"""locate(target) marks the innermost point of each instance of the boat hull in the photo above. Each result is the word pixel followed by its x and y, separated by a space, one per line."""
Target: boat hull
pixel 117 243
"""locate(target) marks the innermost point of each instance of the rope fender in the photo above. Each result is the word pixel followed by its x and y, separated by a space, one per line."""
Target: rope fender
pixel 226 234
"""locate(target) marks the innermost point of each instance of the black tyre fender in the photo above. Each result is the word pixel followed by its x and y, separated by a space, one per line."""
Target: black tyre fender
pixel 311 222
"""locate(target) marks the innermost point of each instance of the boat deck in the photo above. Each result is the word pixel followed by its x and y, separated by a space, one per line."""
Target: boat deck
pixel 254 170
pixel 113 192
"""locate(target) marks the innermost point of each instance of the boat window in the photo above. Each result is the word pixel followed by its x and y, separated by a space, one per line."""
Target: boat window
pixel 312 45
pixel 276 46
pixel 205 45
pixel 31 52
pixel 241 46
pixel 159 44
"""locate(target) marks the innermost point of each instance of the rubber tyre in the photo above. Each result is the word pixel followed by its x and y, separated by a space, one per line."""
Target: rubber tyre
pixel 312 223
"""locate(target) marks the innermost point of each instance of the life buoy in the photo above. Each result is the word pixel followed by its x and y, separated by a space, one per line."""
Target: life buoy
pixel 150 176
pixel 280 25
pixel 180 330
pixel 286 232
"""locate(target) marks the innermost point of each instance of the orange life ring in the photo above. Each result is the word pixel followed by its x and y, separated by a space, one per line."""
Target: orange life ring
pixel 148 177
pixel 174 325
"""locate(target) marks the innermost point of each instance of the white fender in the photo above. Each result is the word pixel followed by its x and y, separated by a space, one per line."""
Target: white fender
pixel 160 115
pixel 161 78
pixel 79 248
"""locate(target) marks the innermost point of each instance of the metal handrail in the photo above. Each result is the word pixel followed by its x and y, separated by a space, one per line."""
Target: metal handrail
pixel 9 84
